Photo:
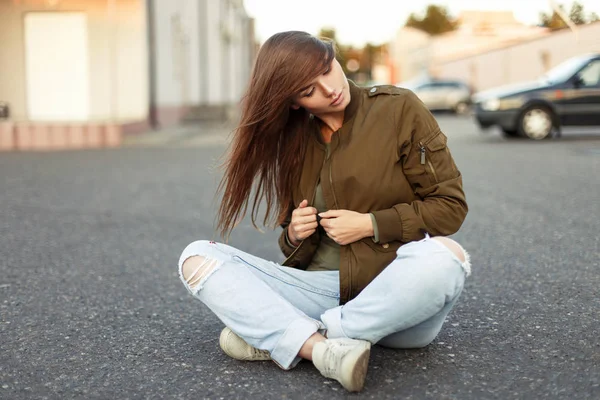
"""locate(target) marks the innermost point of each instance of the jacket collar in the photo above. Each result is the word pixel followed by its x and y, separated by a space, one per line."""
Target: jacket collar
pixel 355 101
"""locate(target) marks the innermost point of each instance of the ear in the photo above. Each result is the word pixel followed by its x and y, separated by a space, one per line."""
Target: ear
pixel 294 106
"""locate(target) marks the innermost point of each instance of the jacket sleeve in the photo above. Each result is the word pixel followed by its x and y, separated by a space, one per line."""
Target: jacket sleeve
pixel 440 206
pixel 284 242
pixel 297 257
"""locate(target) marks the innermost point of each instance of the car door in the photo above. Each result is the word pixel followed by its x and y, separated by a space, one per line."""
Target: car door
pixel 439 95
pixel 426 94
pixel 444 99
pixel 582 104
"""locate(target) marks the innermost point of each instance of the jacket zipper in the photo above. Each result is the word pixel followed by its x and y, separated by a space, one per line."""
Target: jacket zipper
pixel 312 202
pixel 335 203
pixel 424 159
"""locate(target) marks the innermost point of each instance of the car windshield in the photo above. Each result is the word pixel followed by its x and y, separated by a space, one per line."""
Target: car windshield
pixel 565 70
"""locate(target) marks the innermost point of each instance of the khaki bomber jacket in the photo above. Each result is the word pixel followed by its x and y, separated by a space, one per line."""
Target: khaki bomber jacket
pixel 389 158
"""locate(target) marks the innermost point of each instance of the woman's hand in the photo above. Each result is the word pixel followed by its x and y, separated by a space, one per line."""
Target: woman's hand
pixel 346 227
pixel 304 223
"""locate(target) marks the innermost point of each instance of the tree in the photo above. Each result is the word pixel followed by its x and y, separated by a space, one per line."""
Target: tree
pixel 576 14
pixel 435 22
pixel 554 21
pixel 341 50
pixel 328 33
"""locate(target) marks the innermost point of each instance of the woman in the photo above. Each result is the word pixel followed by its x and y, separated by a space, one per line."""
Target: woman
pixel 360 180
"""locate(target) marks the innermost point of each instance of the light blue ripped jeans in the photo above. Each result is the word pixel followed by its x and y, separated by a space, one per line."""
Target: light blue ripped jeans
pixel 278 308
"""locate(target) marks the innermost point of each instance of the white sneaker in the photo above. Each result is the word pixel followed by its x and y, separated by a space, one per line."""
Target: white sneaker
pixel 236 347
pixel 345 360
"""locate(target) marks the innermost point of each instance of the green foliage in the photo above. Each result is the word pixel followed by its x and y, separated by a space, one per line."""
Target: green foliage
pixel 553 21
pixel 435 22
pixel 365 56
pixel 328 33
pixel 576 14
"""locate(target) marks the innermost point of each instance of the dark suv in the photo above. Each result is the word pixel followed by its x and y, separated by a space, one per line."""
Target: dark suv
pixel 569 94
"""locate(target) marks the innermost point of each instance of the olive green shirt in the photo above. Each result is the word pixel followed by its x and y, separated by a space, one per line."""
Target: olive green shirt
pixel 327 256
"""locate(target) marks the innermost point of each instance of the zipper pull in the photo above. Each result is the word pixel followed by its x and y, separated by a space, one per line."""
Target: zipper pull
pixel 422 154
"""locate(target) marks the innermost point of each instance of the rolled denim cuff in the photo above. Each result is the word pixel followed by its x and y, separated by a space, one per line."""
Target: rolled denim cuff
pixel 285 353
pixel 332 319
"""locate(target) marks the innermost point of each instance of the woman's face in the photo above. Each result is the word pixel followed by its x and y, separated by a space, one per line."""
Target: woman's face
pixel 328 93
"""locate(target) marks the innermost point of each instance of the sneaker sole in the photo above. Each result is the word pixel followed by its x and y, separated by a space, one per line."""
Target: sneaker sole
pixel 355 369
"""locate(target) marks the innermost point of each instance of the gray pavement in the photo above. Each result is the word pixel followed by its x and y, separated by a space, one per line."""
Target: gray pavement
pixel 91 305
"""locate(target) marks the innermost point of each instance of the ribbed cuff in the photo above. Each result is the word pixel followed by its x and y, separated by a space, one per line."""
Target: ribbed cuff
pixel 375 237
pixel 389 223
pixel 287 240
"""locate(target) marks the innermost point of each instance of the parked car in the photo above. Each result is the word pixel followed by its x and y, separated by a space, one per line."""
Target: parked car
pixel 442 94
pixel 569 94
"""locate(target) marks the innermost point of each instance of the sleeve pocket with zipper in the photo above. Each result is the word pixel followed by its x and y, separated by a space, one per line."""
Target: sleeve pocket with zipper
pixel 435 158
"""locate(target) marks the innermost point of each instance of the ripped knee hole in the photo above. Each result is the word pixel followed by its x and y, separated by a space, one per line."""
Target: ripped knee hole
pixel 453 246
pixel 196 268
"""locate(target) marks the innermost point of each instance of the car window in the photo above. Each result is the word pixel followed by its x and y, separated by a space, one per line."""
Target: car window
pixel 590 75
pixel 565 70
pixel 424 86
pixel 439 85
pixel 450 85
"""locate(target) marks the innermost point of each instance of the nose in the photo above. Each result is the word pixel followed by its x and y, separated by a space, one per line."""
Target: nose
pixel 327 88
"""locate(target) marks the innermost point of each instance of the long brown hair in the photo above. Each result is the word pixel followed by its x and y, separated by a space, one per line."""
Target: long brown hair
pixel 268 145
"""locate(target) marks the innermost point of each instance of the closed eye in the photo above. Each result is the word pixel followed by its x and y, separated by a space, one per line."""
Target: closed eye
pixel 309 94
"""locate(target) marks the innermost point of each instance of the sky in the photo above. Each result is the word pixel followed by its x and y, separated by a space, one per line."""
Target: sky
pixel 376 21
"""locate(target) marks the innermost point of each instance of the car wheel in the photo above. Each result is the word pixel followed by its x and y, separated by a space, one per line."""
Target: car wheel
pixel 536 122
pixel 510 133
pixel 461 108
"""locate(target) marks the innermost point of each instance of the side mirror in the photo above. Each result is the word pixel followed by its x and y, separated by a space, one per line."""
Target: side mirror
pixel 577 82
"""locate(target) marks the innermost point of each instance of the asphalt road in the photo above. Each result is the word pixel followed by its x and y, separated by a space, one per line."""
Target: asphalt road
pixel 91 305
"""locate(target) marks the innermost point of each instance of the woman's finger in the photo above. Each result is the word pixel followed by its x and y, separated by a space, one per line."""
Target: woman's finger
pixel 302 212
pixel 306 234
pixel 305 220
pixel 306 227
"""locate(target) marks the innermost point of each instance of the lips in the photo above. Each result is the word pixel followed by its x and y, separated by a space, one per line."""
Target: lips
pixel 338 99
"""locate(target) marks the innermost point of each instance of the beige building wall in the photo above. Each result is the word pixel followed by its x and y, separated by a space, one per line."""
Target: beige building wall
pixel 524 61
pixel 203 52
pixel 176 57
pixel 410 54
pixel 480 31
pixel 228 51
pixel 12 59
pixel 416 53
pixel 117 56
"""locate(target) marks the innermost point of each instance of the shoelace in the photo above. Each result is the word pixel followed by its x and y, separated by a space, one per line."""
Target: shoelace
pixel 257 352
pixel 331 357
